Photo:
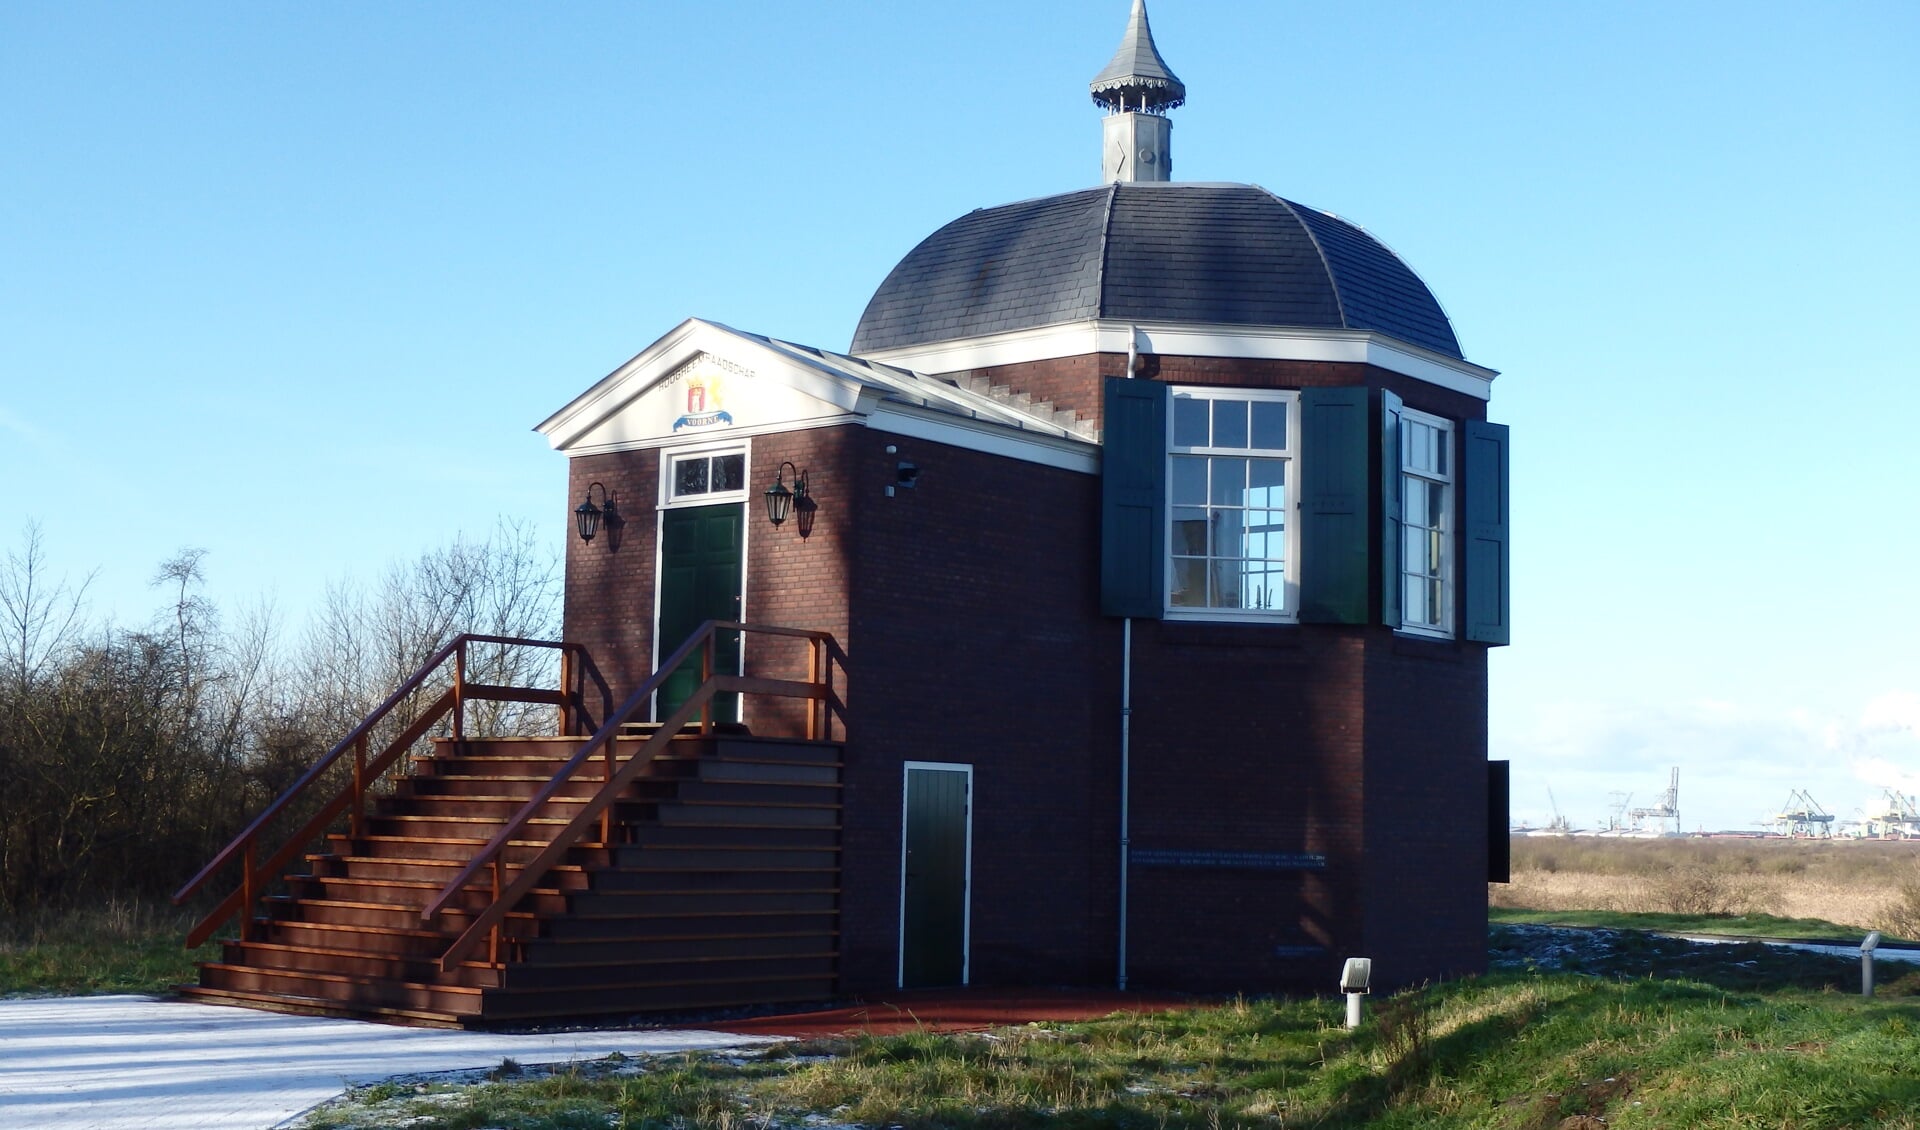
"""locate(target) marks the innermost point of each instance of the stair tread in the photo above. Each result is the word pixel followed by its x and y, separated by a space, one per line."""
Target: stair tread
pixel 664 915
pixel 358 928
pixel 416 884
pixel 289 1002
pixel 625 938
pixel 348 978
pixel 532 990
pixel 451 841
pixel 322 951
pixel 689 959
pixel 295 900
pixel 423 861
pixel 756 803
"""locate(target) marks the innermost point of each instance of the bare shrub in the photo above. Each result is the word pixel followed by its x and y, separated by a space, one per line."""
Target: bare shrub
pixel 1693 890
pixel 128 757
pixel 1901 916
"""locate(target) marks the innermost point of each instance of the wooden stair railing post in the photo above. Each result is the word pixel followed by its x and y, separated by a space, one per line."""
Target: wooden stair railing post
pixel 606 814
pixel 813 676
pixel 359 786
pixel 493 936
pixel 246 893
pixel 460 692
pixel 706 672
pixel 566 692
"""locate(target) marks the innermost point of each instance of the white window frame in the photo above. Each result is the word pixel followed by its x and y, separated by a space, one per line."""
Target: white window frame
pixel 670 455
pixel 1289 611
pixel 1449 520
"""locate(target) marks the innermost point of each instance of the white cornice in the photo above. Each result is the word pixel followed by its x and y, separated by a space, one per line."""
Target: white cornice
pixel 613 416
pixel 907 420
pixel 1266 343
pixel 613 392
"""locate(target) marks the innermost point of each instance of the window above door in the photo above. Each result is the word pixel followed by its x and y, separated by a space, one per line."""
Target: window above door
pixel 699 478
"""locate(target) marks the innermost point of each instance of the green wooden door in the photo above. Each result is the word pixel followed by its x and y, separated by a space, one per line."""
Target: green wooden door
pixel 699 581
pixel 933 917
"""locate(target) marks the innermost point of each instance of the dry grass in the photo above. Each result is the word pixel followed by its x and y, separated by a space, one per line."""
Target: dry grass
pixel 1871 885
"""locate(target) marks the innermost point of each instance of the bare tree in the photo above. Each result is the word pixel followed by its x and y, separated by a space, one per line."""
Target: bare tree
pixel 39 616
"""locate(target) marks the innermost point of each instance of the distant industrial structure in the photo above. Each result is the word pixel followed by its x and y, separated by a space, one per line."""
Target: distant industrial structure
pixel 1802 818
pixel 1895 816
pixel 1667 808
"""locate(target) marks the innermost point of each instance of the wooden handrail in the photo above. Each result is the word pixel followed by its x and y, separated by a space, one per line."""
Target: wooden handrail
pixel 245 846
pixel 486 924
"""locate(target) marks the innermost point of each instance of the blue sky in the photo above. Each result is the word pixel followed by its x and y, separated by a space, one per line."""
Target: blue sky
pixel 292 283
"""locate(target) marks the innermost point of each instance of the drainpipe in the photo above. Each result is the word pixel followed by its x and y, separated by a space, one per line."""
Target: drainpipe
pixel 1126 775
pixel 1126 722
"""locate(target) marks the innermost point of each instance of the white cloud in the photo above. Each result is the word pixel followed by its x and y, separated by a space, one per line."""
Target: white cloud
pixel 1737 761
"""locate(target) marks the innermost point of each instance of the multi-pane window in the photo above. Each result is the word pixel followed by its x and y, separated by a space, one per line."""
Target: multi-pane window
pixel 707 473
pixel 1229 502
pixel 1426 523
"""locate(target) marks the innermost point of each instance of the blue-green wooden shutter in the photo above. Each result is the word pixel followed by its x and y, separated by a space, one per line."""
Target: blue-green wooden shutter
pixel 1335 466
pixel 1133 499
pixel 1484 521
pixel 1390 548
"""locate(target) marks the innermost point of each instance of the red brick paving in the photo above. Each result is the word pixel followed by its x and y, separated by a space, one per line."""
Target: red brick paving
pixel 955 1010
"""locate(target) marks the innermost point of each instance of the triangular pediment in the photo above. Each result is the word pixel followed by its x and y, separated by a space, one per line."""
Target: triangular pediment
pixel 703 379
pixel 707 381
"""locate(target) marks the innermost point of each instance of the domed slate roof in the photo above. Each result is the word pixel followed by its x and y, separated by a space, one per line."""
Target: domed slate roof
pixel 1223 254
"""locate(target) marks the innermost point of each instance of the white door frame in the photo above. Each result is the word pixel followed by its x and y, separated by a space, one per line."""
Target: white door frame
pixel 966 899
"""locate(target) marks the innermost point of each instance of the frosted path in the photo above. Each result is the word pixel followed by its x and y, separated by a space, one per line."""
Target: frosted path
pixel 135 1063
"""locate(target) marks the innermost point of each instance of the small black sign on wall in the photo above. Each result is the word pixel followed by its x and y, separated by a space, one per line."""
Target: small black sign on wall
pixel 1499 840
pixel 1249 860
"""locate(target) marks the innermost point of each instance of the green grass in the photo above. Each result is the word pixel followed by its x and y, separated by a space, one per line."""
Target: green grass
pixel 118 948
pixel 1738 925
pixel 1520 1050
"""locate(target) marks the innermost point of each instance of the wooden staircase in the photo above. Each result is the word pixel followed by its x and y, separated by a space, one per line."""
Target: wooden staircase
pixel 710 878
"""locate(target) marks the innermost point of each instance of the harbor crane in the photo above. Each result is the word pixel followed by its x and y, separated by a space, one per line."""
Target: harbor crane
pixel 1665 809
pixel 1803 818
pixel 1898 818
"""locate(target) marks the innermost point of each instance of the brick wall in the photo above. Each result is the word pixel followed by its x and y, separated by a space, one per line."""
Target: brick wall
pixel 976 639
pixel 610 580
pixel 969 613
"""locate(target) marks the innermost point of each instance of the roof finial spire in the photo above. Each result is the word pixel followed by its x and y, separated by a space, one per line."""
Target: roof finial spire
pixel 1136 89
pixel 1138 78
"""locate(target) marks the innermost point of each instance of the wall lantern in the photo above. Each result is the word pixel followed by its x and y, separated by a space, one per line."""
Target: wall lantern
pixel 782 500
pixel 587 517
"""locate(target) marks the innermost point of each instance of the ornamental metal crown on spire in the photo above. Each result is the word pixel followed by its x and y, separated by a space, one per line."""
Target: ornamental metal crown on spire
pixel 1138 79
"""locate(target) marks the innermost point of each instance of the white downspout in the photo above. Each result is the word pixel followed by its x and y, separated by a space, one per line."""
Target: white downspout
pixel 1126 722
pixel 1126 757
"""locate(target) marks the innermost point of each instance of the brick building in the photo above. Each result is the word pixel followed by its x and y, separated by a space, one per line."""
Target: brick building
pixel 1165 534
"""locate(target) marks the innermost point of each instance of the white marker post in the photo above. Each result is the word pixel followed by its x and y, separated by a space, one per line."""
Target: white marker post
pixel 1353 982
pixel 1867 946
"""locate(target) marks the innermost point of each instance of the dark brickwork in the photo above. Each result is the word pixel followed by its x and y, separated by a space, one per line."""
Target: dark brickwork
pixel 968 610
pixel 610 580
pixel 1426 789
pixel 976 639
